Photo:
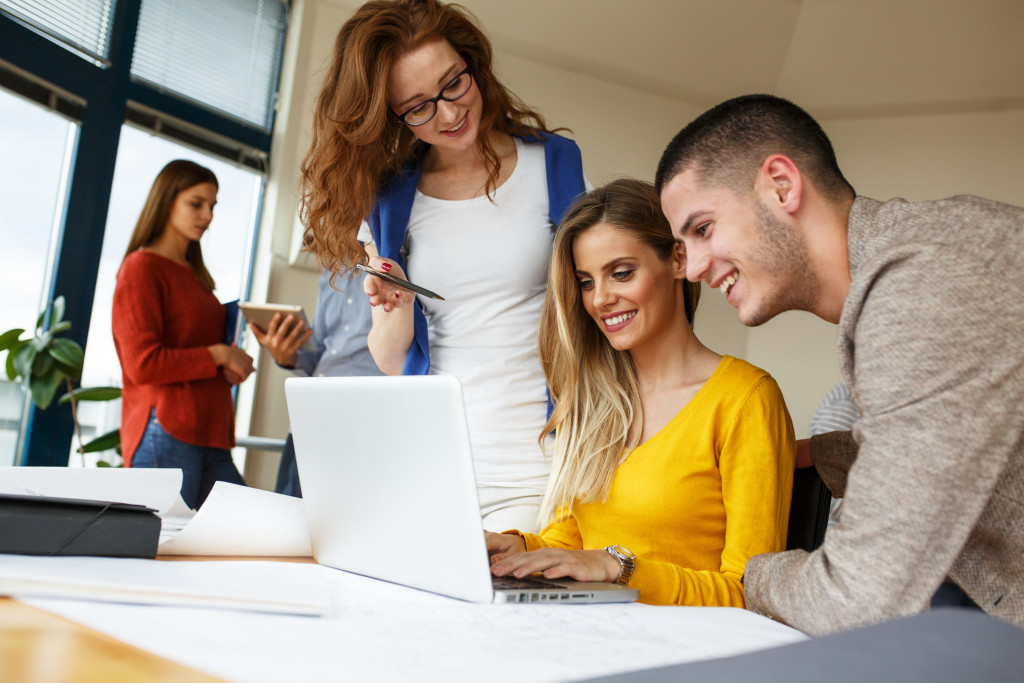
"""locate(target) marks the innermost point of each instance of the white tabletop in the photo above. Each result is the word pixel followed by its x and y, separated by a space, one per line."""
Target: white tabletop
pixel 380 631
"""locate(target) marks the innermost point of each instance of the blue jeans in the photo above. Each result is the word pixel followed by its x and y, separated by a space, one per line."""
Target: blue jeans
pixel 288 471
pixel 200 466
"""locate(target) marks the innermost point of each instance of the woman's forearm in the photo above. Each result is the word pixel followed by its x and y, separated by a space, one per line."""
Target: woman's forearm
pixel 390 338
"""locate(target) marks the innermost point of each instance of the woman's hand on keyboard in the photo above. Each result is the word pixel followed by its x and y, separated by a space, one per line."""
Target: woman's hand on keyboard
pixel 500 546
pixel 559 563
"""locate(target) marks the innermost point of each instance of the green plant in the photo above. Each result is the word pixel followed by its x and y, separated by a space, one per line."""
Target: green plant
pixel 104 442
pixel 45 360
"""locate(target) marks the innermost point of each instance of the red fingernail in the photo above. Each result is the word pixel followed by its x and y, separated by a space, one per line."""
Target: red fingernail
pixel 386 267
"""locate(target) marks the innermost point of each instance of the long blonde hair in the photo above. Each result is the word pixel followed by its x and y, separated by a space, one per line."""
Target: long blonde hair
pixel 358 145
pixel 172 180
pixel 594 386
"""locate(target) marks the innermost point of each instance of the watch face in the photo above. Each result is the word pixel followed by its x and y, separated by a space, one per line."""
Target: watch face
pixel 622 552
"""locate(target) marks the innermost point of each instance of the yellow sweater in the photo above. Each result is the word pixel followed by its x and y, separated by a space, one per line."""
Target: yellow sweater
pixel 699 498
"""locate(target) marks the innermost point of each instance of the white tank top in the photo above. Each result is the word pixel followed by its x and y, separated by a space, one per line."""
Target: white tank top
pixel 490 261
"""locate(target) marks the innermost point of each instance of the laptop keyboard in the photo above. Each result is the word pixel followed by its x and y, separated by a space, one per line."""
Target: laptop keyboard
pixel 509 583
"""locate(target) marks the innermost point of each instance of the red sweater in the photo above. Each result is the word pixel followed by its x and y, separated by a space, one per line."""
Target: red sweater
pixel 163 320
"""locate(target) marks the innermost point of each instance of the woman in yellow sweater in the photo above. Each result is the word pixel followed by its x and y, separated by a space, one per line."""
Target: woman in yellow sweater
pixel 672 465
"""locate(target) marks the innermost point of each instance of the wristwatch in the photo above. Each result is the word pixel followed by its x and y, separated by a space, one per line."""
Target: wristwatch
pixel 627 562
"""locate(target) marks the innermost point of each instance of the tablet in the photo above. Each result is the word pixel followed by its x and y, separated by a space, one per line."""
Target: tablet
pixel 261 314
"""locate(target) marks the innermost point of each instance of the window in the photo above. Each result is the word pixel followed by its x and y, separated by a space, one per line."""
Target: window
pixel 223 54
pixel 33 171
pixel 80 25
pixel 76 57
pixel 226 251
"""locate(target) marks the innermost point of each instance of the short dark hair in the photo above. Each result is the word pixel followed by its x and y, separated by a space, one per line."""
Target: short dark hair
pixel 727 144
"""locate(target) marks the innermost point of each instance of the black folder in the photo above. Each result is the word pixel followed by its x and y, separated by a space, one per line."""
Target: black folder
pixel 41 525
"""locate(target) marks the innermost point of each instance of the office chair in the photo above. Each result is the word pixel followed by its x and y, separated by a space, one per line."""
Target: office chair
pixel 808 513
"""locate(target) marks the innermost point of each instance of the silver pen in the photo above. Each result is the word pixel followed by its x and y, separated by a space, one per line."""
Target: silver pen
pixel 404 284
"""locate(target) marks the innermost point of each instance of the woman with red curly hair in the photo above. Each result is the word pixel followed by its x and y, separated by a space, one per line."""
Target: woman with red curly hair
pixel 425 166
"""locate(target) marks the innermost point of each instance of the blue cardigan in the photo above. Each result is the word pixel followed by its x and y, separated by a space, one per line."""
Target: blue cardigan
pixel 390 219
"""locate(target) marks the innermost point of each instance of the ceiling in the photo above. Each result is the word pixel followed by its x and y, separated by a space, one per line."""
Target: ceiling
pixel 835 57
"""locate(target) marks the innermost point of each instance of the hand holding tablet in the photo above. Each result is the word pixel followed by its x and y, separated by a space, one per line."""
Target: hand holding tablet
pixel 260 315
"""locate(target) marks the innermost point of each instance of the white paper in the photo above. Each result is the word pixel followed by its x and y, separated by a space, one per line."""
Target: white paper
pixel 159 489
pixel 234 520
pixel 382 632
pixel 243 521
pixel 262 586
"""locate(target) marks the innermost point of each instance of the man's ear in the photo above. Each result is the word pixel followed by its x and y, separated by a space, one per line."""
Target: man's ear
pixel 780 183
pixel 679 261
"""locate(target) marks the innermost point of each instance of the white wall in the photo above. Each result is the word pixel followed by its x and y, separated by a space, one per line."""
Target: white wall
pixel 313 25
pixel 623 131
pixel 929 157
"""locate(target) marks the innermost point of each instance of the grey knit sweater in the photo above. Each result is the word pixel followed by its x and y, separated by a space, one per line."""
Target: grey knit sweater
pixel 931 344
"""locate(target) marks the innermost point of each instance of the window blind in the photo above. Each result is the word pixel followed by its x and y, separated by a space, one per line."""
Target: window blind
pixel 223 54
pixel 80 25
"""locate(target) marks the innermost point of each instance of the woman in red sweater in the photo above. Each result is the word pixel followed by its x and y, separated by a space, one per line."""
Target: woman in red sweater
pixel 168 329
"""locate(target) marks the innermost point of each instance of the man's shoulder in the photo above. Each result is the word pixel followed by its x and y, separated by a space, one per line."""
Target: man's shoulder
pixel 935 215
pixel 962 226
pixel 917 266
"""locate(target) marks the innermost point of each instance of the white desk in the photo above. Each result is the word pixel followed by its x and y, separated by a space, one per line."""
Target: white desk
pixel 379 631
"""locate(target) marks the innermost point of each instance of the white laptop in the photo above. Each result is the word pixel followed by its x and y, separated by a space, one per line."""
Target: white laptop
pixel 387 479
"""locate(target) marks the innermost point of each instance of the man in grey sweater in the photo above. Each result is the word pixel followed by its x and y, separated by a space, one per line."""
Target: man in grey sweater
pixel 931 345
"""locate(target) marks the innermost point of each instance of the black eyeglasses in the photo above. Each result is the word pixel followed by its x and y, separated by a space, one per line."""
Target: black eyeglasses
pixel 425 110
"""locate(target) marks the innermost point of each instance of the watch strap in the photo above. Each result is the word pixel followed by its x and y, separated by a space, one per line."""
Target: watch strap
pixel 627 563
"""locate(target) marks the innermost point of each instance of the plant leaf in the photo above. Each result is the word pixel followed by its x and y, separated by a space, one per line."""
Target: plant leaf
pixel 10 338
pixel 60 327
pixel 58 311
pixel 67 352
pixel 12 371
pixel 42 340
pixel 43 364
pixel 22 358
pixel 104 442
pixel 93 394
pixel 44 387
pixel 73 374
pixel 103 463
